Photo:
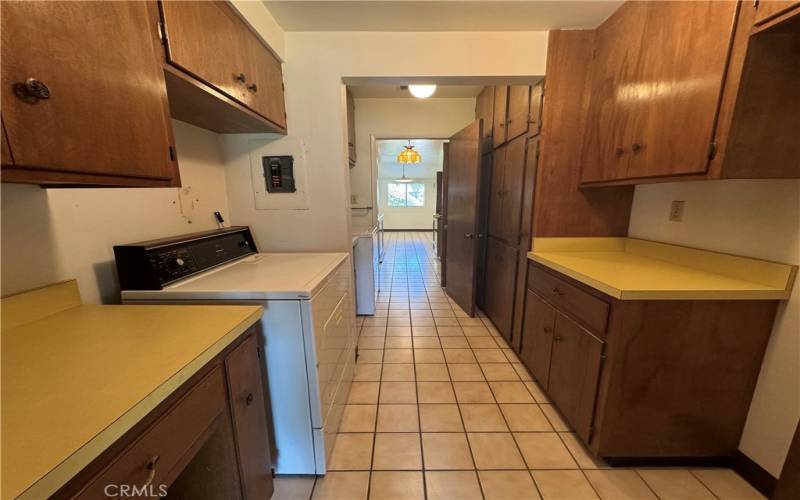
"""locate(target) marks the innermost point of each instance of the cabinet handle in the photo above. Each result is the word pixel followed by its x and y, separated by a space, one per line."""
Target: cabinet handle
pixel 548 329
pixel 636 147
pixel 557 291
pixel 252 87
pixel 557 338
pixel 249 399
pixel 240 77
pixel 469 236
pixel 32 90
pixel 151 475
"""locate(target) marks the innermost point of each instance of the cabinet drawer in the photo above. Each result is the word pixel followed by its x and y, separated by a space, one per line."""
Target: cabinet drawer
pixel 156 457
pixel 591 311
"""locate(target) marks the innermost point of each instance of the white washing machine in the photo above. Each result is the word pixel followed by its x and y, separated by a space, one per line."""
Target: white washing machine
pixel 309 329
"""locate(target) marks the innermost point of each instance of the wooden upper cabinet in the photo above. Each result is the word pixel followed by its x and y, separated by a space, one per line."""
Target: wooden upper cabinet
pixel 211 43
pixel 84 98
pixel 499 115
pixel 484 110
pixel 518 109
pixel 684 54
pixel 535 112
pixel 768 9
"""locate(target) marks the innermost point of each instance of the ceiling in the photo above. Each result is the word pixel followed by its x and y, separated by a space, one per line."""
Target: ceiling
pixel 394 91
pixel 458 15
pixel 429 149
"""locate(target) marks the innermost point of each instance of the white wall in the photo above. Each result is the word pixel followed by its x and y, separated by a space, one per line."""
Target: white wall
pixel 316 64
pixel 754 218
pixel 51 235
pixel 398 118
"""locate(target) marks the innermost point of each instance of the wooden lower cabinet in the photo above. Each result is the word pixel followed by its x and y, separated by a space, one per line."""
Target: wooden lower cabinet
pixel 501 267
pixel 209 439
pixel 665 379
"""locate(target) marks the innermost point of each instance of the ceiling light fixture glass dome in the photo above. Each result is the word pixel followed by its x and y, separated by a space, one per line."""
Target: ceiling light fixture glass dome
pixel 422 91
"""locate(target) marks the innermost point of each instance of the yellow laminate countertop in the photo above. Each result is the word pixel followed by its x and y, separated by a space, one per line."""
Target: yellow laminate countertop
pixel 633 269
pixel 77 377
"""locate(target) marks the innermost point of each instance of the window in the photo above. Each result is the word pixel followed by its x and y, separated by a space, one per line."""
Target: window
pixel 406 195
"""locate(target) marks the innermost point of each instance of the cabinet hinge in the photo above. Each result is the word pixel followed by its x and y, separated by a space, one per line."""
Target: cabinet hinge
pixel 162 32
pixel 712 150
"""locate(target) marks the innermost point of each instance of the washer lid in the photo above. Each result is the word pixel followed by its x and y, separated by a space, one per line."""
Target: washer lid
pixel 264 276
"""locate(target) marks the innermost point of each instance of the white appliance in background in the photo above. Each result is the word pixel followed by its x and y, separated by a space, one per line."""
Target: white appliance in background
pixel 308 325
pixel 366 269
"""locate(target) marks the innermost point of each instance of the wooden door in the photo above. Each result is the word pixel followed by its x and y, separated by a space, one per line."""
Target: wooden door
pixel 209 41
pixel 250 423
pixel 518 109
pixel 574 373
pixel 684 55
pixel 265 88
pixel 513 183
pixel 499 115
pixel 351 128
pixel 497 192
pixel 484 110
pixel 463 188
pixel 606 146
pixel 443 220
pixel 537 337
pixel 107 111
pixel 767 9
pixel 535 112
pixel 501 269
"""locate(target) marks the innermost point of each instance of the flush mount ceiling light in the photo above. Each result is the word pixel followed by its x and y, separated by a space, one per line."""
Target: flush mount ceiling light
pixel 422 91
pixel 406 156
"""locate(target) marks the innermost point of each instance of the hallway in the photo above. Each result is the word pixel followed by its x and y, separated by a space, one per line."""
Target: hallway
pixel 442 409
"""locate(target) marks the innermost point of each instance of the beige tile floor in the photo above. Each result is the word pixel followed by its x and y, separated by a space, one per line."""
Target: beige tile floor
pixel 443 409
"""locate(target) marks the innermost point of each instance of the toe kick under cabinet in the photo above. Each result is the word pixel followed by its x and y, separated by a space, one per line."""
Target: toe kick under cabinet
pixel 645 379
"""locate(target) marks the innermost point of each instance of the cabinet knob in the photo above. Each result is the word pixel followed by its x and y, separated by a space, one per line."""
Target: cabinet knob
pixel 557 338
pixel 557 291
pixel 240 77
pixel 548 329
pixel 249 399
pixel 469 236
pixel 636 147
pixel 32 90
pixel 252 87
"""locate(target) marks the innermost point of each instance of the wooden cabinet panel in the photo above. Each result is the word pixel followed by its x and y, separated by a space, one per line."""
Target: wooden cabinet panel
pixel 7 159
pixel 767 9
pixel 500 274
pixel 518 109
pixel 513 177
pixel 499 115
pixel 107 112
pixel 537 337
pixel 535 112
pixel 611 108
pixel 243 366
pixel 210 42
pixel 484 110
pixel 574 374
pixel 684 55
pixel 587 309
pixel 496 192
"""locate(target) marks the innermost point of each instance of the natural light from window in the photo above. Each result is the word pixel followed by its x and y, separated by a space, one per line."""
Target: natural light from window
pixel 405 195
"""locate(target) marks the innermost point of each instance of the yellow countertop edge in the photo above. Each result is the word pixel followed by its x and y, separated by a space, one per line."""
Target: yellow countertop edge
pixel 786 272
pixel 72 465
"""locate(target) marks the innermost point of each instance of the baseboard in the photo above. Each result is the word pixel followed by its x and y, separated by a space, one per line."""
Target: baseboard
pixel 754 474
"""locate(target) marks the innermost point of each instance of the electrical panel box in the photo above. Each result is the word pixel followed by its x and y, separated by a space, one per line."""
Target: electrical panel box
pixel 279 173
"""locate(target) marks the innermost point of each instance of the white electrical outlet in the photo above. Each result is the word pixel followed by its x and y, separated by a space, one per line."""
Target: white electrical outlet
pixel 676 211
pixel 353 199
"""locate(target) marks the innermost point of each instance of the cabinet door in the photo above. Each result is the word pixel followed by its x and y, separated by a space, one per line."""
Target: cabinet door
pixel 535 112
pixel 537 337
pixel 574 374
pixel 7 159
pixel 210 42
pixel 767 9
pixel 499 115
pixel 265 82
pixel 484 110
pixel 496 193
pixel 513 177
pixel 500 276
pixel 351 129
pixel 606 146
pixel 684 55
pixel 250 423
pixel 107 111
pixel 518 109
